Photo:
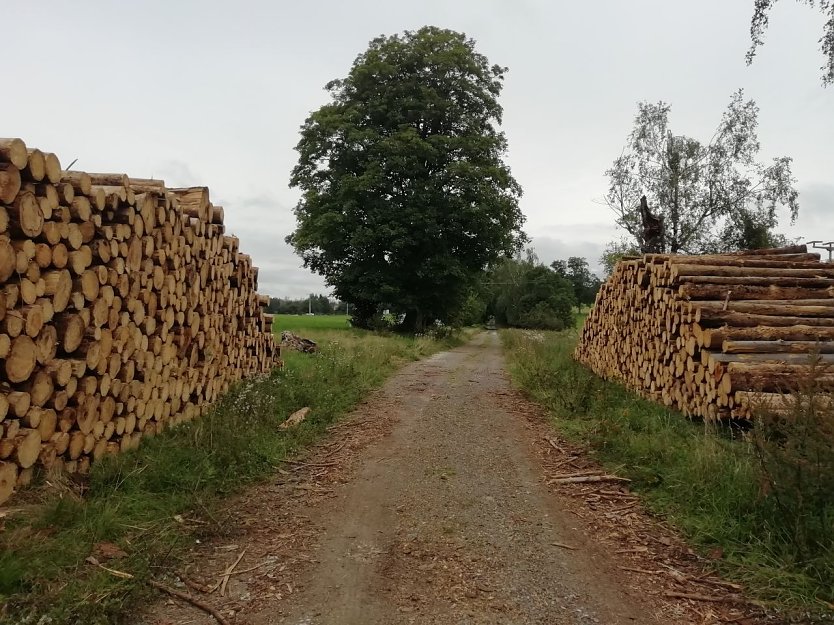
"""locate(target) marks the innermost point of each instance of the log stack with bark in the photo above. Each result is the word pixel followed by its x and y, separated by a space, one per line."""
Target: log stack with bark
pixel 124 309
pixel 715 336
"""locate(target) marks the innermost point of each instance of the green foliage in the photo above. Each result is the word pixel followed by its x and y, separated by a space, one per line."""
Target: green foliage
pixel 405 196
pixel 527 294
pixel 761 18
pixel 707 479
pixel 578 273
pixel 711 197
pixel 614 252
pixel 132 499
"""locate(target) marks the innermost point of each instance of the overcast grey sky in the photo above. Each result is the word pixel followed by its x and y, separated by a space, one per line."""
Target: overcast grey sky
pixel 213 93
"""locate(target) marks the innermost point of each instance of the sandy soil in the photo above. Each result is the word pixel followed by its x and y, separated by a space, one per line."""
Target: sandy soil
pixel 430 504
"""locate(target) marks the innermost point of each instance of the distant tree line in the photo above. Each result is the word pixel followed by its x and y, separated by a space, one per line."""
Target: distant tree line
pixel 317 304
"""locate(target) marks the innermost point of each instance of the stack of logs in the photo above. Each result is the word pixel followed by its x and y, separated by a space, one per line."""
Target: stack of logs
pixel 715 336
pixel 124 309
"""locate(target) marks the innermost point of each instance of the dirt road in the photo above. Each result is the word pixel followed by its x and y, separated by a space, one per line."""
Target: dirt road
pixel 429 505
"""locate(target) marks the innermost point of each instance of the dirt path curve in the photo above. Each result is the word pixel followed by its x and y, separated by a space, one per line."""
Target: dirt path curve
pixel 432 508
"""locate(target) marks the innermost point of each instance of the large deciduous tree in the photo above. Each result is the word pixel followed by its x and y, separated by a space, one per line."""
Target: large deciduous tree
pixel 710 196
pixel 761 19
pixel 405 195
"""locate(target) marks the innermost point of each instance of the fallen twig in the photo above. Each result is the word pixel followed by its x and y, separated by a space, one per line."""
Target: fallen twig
pixel 113 572
pixel 625 507
pixel 553 444
pixel 580 479
pixel 195 585
pixel 636 570
pixel 189 599
pixel 250 569
pixel 697 597
pixel 311 464
pixel 228 573
pixel 564 546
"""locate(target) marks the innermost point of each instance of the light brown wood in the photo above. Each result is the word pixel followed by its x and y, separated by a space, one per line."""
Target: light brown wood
pixel 14 151
pixel 36 165
pixel 25 216
pixel 124 309
pixel 8 479
pixel 9 182
pixel 693 332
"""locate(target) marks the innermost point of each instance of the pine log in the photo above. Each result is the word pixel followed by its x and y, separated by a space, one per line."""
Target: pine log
pixel 778 346
pixel 14 151
pixel 775 377
pixel 27 447
pixel 36 165
pixel 756 280
pixel 8 477
pixel 21 360
pixel 683 270
pixel 744 292
pixel 708 317
pixel 26 216
pixel 79 180
pixel 715 337
pixel 9 182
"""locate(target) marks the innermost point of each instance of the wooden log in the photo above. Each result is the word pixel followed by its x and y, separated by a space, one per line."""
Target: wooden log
pixel 119 180
pixel 52 167
pixel 774 377
pixel 745 292
pixel 795 308
pixel 684 270
pixel 14 151
pixel 8 476
pixel 79 180
pixel 25 216
pixel 716 337
pixel 707 317
pixel 755 280
pixel 778 346
pixel 35 165
pixel 9 182
pixel 27 447
pixel 21 360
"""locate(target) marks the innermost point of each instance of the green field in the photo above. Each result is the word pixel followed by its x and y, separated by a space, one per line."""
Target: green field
pixel 306 322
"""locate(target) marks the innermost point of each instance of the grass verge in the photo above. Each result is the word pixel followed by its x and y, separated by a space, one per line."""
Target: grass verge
pixel 132 500
pixel 704 478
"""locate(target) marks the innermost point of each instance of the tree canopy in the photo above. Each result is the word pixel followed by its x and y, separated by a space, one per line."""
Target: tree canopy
pixel 761 20
pixel 706 197
pixel 405 195
pixel 526 294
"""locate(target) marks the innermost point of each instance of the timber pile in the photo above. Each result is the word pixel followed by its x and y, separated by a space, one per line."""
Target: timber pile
pixel 124 309
pixel 714 336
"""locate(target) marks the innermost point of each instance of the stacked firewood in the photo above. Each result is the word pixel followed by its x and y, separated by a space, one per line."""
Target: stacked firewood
pixel 124 309
pixel 715 336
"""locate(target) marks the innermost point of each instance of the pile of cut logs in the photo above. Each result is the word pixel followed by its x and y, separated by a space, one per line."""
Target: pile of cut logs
pixel 124 309
pixel 715 336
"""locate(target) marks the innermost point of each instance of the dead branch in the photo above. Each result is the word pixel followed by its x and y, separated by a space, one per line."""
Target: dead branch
pixel 189 599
